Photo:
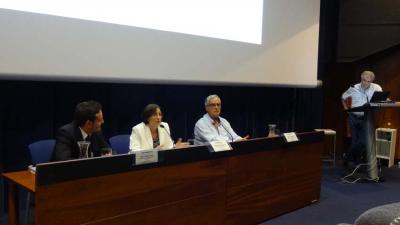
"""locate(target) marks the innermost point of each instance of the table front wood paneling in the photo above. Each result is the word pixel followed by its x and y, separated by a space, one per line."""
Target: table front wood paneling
pixel 201 210
pixel 266 184
pixel 259 180
pixel 99 198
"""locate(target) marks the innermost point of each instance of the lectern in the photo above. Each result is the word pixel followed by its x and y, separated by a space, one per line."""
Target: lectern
pixel 369 110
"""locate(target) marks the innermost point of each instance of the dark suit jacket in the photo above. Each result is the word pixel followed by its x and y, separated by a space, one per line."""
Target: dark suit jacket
pixel 66 143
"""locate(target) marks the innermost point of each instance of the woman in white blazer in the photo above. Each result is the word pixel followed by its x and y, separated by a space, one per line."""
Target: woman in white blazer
pixel 152 133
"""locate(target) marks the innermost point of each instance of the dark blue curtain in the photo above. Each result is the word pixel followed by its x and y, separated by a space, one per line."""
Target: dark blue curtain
pixel 31 111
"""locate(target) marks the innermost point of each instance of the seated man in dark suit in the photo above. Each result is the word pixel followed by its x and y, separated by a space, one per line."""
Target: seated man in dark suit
pixel 88 119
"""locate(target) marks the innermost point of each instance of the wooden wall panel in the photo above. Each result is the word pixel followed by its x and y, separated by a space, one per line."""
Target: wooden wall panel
pixel 387 69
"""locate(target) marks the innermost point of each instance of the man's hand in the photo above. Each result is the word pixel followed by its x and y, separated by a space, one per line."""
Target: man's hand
pixel 180 144
pixel 245 138
pixel 344 103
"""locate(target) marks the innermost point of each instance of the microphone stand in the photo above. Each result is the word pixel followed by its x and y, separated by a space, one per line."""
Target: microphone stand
pixel 227 131
pixel 169 135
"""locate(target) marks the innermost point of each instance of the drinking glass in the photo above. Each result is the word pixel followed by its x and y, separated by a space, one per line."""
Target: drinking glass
pixel 83 149
pixel 272 130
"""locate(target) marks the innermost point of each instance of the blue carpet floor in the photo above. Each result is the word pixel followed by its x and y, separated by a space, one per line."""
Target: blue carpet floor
pixel 341 202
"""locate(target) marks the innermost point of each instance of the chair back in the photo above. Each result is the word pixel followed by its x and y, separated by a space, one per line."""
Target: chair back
pixel 41 151
pixel 120 143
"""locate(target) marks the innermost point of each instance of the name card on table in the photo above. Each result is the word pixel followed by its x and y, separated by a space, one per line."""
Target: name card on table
pixel 219 146
pixel 290 137
pixel 32 169
pixel 146 156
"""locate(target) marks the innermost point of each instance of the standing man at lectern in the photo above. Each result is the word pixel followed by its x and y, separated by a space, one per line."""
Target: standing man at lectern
pixel 86 126
pixel 359 94
pixel 212 127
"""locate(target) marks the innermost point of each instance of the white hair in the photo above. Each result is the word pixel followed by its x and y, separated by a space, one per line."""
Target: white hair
pixel 367 74
pixel 208 99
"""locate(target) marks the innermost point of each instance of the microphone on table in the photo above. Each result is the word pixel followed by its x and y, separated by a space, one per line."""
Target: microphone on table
pixel 169 135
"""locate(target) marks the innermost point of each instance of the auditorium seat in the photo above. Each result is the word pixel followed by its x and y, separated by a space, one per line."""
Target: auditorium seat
pixel 120 143
pixel 40 152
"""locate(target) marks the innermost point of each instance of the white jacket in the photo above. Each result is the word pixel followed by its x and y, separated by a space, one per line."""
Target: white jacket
pixel 141 138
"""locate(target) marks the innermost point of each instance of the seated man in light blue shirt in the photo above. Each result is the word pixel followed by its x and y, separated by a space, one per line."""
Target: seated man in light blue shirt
pixel 212 127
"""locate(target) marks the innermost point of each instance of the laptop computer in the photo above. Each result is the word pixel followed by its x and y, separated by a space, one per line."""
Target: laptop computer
pixel 379 96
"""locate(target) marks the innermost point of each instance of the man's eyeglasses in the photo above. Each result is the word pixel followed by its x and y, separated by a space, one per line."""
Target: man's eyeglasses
pixel 214 105
pixel 367 81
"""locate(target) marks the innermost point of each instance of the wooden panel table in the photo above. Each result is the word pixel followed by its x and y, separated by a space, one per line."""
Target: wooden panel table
pixel 23 179
pixel 258 180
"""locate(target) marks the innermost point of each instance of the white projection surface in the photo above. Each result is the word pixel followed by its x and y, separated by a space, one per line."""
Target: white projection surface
pixel 210 18
pixel 245 42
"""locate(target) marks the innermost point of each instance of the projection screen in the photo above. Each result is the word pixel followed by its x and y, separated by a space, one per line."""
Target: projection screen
pixel 276 42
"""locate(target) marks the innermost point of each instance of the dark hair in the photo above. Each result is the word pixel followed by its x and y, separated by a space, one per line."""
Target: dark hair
pixel 85 111
pixel 148 111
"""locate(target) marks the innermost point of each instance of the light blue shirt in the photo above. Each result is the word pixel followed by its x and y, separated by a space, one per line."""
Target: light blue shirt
pixel 205 131
pixel 360 96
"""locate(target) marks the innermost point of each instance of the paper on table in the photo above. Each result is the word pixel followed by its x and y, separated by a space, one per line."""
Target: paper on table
pixel 32 169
